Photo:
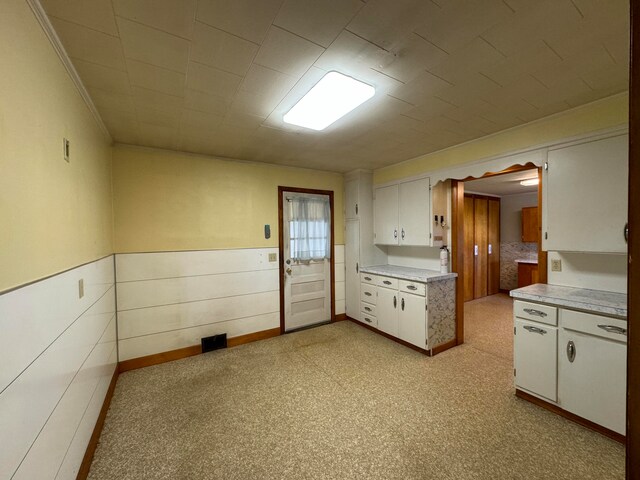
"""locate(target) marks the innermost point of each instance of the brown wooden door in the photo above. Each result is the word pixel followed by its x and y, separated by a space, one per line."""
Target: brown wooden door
pixel 481 234
pixel 468 248
pixel 493 268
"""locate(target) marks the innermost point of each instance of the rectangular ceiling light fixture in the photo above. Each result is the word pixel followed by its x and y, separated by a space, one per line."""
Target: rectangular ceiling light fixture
pixel 530 181
pixel 331 98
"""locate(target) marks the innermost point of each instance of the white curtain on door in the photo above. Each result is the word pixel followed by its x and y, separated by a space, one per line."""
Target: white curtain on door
pixel 310 228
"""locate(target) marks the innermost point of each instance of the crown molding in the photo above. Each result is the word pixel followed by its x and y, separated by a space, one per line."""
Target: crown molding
pixel 51 34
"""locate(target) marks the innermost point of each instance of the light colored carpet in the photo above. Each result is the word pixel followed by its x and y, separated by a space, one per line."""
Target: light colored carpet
pixel 339 402
pixel 488 325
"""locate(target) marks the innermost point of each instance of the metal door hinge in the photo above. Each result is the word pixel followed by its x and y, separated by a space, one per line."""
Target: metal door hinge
pixel 357 267
pixel 546 165
pixel 514 372
pixel 426 307
pixel 429 235
pixel 546 236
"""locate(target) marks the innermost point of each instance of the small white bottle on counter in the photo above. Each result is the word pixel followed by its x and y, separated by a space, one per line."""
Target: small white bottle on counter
pixel 444 259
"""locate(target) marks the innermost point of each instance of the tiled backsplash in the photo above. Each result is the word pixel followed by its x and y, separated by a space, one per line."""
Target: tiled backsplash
pixel 509 253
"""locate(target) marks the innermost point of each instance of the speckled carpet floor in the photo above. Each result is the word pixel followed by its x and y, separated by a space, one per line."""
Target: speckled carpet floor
pixel 340 402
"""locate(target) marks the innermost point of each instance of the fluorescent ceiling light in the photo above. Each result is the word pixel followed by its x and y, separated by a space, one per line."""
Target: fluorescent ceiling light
pixel 529 182
pixel 331 98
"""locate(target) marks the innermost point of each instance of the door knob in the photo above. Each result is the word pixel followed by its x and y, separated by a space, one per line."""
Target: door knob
pixel 288 270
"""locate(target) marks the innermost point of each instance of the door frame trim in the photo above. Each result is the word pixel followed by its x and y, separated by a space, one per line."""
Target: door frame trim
pixel 332 261
pixel 457 237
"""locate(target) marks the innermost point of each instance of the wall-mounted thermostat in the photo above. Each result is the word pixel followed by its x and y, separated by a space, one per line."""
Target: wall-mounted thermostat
pixel 65 148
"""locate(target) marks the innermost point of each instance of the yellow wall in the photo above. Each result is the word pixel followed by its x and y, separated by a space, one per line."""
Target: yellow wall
pixel 166 201
pixel 609 112
pixel 54 215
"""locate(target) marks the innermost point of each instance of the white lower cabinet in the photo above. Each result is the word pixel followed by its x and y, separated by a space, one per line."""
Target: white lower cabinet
pixel 593 368
pixel 387 310
pixel 412 322
pixel 578 365
pixel 535 358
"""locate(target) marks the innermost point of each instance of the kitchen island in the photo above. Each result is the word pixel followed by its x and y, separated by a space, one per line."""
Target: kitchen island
pixel 414 306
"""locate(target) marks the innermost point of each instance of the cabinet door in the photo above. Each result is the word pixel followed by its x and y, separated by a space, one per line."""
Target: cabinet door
pixel 493 248
pixel 351 264
pixel 412 320
pixel 594 385
pixel 351 208
pixel 530 228
pixel 413 213
pixel 387 310
pixel 585 193
pixel 385 209
pixel 536 358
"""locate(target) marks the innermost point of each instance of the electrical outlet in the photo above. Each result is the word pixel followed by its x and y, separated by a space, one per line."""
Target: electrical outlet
pixel 273 257
pixel 81 288
pixel 556 265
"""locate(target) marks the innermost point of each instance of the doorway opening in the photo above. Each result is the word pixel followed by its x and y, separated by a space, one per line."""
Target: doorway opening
pixel 307 270
pixel 496 248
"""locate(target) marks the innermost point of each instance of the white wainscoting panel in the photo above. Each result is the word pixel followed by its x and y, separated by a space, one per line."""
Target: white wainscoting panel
pixel 44 404
pixel 171 300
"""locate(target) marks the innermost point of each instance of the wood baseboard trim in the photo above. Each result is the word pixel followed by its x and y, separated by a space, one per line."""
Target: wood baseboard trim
pixel 83 472
pixel 571 416
pixel 341 317
pixel 180 353
pixel 158 358
pixel 442 347
pixel 504 290
pixel 253 337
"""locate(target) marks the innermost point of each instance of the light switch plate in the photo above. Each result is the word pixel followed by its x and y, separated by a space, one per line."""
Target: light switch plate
pixel 556 265
pixel 273 257
pixel 81 288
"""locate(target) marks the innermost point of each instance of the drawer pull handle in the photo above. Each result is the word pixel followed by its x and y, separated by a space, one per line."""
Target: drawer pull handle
pixel 367 278
pixel 571 351
pixel 534 312
pixel 367 309
pixel 386 282
pixel 613 329
pixel 411 287
pixel 533 329
pixel 395 302
pixel 367 320
pixel 368 294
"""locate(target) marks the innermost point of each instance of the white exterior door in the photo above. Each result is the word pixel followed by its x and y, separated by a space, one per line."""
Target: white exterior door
pixel 307 284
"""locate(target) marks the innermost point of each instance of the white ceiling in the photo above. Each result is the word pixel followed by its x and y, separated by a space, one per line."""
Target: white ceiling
pixel 216 76
pixel 501 185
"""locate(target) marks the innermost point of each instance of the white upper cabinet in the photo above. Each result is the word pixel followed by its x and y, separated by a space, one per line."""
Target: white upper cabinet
pixel 401 214
pixel 585 197
pixel 385 215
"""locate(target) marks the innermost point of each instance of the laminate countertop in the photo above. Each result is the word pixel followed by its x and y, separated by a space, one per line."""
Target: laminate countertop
pixel 408 273
pixel 594 301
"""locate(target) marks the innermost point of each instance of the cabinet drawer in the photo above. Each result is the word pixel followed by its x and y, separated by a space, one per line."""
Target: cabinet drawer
pixel 536 312
pixel 368 293
pixel 367 308
pixel 606 327
pixel 536 358
pixel 412 287
pixel 387 282
pixel 368 278
pixel 370 320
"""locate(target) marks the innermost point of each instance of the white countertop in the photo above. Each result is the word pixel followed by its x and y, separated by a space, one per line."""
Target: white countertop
pixel 533 261
pixel 595 301
pixel 408 273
